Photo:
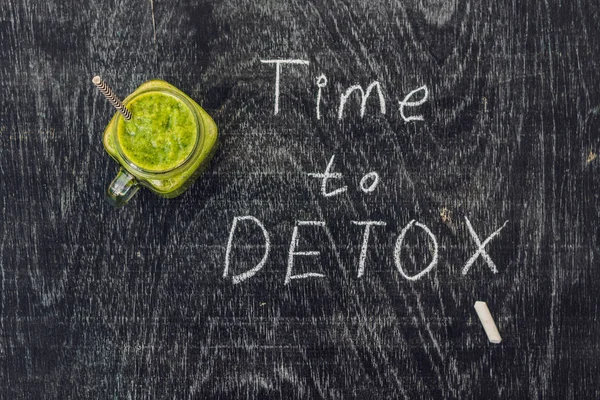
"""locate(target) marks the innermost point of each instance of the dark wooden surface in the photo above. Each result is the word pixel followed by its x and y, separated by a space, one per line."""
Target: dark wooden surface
pixel 131 303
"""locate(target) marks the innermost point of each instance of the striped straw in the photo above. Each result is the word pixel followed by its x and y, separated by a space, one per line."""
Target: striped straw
pixel 114 100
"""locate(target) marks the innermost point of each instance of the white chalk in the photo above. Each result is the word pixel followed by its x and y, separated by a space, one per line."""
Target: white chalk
pixel 487 321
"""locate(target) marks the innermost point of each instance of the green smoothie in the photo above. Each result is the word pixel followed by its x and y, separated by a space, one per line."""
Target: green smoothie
pixel 166 145
pixel 161 134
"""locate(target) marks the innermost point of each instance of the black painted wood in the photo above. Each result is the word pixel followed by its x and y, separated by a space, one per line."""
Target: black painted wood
pixel 131 303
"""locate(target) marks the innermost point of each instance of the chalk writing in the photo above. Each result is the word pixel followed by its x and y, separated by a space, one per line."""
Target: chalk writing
pixel 248 274
pixel 363 99
pixel 481 248
pixel 363 249
pixel 368 184
pixel 292 253
pixel 364 94
pixel 398 249
pixel 278 75
pixel 368 188
pixel 407 103
pixel 329 175
pixel 321 83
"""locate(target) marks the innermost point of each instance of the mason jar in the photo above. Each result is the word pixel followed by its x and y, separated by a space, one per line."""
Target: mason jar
pixel 166 145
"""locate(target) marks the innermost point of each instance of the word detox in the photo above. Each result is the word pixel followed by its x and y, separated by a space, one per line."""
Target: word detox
pixel 293 252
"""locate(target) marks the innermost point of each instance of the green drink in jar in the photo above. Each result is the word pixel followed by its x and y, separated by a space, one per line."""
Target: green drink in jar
pixel 165 145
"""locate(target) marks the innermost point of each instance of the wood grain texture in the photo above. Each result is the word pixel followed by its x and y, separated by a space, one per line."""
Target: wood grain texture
pixel 131 303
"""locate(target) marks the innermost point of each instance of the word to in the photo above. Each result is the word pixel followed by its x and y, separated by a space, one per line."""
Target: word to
pixel 487 321
pixel 375 85
pixel 368 225
pixel 367 184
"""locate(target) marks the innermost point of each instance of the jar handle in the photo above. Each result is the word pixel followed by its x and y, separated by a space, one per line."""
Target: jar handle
pixel 122 188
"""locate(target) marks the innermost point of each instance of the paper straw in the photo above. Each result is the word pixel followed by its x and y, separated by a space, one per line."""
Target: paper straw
pixel 114 100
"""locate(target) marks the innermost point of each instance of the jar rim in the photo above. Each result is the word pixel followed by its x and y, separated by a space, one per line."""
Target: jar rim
pixel 199 133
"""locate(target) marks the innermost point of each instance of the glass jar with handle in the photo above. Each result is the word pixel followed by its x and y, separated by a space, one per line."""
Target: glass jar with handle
pixel 165 146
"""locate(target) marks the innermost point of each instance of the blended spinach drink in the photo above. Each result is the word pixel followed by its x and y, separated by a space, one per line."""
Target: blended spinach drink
pixel 166 144
pixel 161 134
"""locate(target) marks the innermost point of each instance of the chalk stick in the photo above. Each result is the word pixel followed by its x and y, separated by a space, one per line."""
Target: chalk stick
pixel 487 321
